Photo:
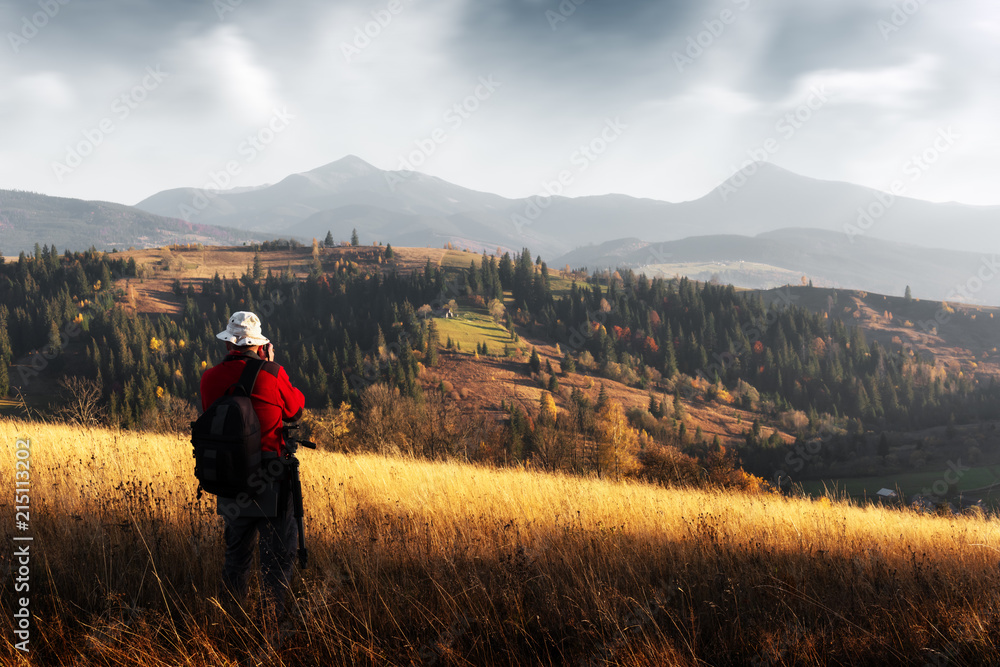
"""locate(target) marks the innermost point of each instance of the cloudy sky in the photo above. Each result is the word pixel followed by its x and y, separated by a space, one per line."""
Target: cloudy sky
pixel 118 100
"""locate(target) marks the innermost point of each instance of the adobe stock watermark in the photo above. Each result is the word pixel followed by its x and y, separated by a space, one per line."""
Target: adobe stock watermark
pixel 562 13
pixel 454 118
pixel 248 149
pixel 951 477
pixel 582 158
pixel 786 126
pixel 635 623
pixel 21 559
pixel 258 482
pixel 700 42
pixel 429 654
pixel 901 14
pixel 657 256
pixel 223 7
pixel 914 167
pixel 987 271
pixel 32 25
pixel 121 108
pixel 365 34
pixel 801 455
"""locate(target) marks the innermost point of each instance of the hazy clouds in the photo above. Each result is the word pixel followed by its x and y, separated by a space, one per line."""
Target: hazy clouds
pixel 698 86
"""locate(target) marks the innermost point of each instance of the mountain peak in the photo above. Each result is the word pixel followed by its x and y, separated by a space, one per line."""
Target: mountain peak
pixel 349 164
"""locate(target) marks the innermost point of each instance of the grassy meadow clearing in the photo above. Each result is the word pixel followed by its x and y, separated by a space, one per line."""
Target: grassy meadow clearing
pixel 471 327
pixel 420 563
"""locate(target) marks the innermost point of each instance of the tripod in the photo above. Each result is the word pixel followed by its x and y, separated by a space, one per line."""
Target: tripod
pixel 292 463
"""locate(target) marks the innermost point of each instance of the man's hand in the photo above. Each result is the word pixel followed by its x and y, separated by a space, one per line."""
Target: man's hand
pixel 269 352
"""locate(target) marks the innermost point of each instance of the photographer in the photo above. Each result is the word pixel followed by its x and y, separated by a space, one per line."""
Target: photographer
pixel 274 401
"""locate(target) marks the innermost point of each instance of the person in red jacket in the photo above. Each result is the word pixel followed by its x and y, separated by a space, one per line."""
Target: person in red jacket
pixel 275 401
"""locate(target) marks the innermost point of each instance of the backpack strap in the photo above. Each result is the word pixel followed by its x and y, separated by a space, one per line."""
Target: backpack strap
pixel 249 376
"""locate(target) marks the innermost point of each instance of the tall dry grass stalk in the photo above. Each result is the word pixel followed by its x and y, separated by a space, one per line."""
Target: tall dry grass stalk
pixel 414 562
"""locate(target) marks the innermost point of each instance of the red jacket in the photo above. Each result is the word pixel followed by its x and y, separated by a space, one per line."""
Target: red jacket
pixel 274 398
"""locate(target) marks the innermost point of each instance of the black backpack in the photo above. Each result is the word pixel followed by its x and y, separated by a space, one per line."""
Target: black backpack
pixel 226 439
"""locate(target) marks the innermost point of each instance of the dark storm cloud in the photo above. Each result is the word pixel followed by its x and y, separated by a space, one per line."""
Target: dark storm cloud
pixel 809 36
pixel 586 47
pixel 89 32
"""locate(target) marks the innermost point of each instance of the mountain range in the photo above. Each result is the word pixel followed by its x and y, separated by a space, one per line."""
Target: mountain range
pixel 416 209
pixel 760 228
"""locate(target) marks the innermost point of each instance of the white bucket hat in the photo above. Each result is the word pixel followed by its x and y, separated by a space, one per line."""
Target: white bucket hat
pixel 243 329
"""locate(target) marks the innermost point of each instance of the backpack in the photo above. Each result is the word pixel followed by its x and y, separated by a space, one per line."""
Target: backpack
pixel 226 439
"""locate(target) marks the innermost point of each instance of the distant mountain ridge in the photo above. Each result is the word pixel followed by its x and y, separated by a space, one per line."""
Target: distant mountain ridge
pixel 783 224
pixel 394 206
pixel 27 218
pixel 829 259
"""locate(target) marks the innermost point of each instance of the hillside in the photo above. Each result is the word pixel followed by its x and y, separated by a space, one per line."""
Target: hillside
pixel 962 341
pixel 480 384
pixel 27 218
pixel 571 372
pixel 415 562
pixel 827 258
pixel 962 338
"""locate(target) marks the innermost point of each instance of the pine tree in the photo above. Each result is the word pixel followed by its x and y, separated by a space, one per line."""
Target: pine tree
pixel 654 408
pixel 55 338
pixel 535 362
pixel 602 397
pixel 678 407
pixel 5 349
pixel 258 269
pixel 568 364
pixel 328 241
pixel 354 238
pixel 432 344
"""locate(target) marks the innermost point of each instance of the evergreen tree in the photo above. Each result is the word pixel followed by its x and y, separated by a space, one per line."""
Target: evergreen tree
pixel 6 353
pixel 258 270
pixel 328 241
pixel 432 344
pixel 535 362
pixel 568 364
pixel 654 408
pixel 602 397
pixel 354 238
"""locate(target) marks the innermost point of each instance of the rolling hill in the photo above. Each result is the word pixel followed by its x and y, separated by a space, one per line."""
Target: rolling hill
pixel 828 258
pixel 27 218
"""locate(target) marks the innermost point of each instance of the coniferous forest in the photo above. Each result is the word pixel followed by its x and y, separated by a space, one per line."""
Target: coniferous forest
pixel 344 330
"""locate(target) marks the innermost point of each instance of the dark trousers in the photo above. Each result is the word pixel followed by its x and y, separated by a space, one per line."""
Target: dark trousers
pixel 278 542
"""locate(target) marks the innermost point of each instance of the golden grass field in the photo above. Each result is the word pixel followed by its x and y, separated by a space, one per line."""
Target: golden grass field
pixel 420 563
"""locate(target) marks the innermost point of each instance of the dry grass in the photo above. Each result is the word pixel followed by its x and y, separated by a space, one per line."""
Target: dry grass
pixel 414 562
